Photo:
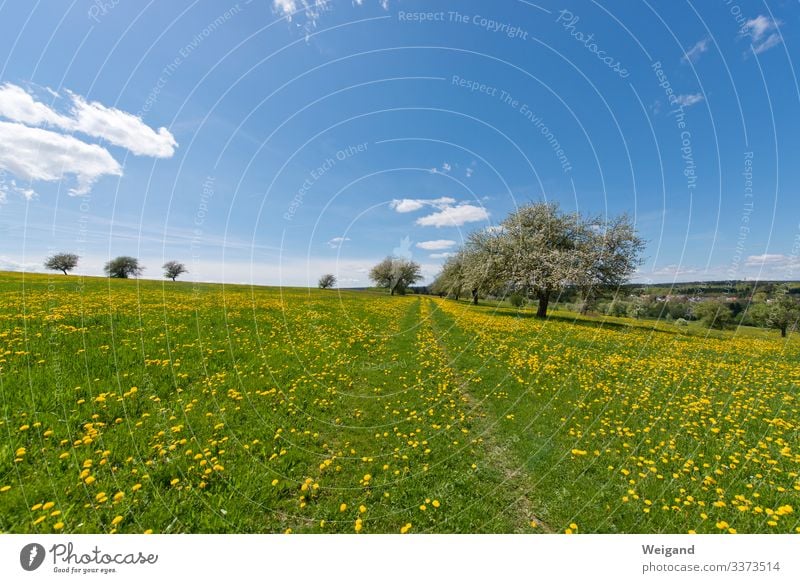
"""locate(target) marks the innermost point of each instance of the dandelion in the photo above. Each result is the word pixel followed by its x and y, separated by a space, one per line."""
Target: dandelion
pixel 58 525
pixel 406 528
pixel 342 507
pixel 116 520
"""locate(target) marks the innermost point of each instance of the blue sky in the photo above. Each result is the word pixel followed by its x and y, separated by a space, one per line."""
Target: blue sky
pixel 270 142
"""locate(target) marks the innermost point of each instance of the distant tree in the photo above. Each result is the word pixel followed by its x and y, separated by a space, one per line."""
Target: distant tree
pixel 638 307
pixel 123 267
pixel 451 280
pixel 173 269
pixel 483 266
pixel 781 311
pixel 714 314
pixel 65 262
pixel 517 300
pixel 617 309
pixel 327 281
pixel 396 274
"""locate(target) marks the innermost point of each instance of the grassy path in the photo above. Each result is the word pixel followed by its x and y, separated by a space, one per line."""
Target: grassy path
pixel 498 453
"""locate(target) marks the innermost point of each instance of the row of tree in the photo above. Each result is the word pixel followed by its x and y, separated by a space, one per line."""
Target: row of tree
pixel 539 251
pixel 121 267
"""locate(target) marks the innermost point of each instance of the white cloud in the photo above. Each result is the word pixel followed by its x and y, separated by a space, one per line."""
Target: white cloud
pixel 35 143
pixel 772 259
pixel 771 41
pixel 469 172
pixel 336 242
pixel 17 104
pixel 455 216
pixel 285 6
pixel 9 264
pixel 91 118
pixel 441 255
pixel 700 47
pixel 38 154
pixel 758 27
pixel 408 205
pixel 436 245
pixel 763 32
pixel 121 129
pixel 12 187
pixel 689 99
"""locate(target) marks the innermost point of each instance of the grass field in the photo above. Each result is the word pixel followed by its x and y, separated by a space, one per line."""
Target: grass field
pixel 138 406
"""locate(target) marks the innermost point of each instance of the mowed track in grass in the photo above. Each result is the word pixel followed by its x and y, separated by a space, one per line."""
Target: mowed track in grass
pixel 134 406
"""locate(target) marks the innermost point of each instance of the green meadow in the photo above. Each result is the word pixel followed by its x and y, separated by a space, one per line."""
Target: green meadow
pixel 138 406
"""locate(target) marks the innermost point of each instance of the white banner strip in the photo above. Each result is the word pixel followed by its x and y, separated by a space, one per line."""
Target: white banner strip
pixel 398 558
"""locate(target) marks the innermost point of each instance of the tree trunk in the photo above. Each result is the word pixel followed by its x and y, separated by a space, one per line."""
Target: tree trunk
pixel 65 271
pixel 544 299
pixel 475 297
pixel 783 331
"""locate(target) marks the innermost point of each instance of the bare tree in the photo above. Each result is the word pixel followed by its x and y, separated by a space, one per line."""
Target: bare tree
pixel 65 262
pixel 173 269
pixel 327 281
